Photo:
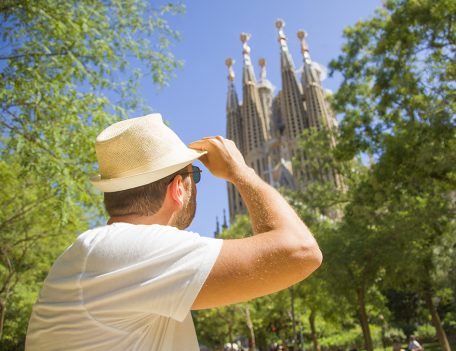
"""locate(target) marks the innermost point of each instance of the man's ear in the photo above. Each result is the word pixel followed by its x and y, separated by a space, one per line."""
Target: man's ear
pixel 176 191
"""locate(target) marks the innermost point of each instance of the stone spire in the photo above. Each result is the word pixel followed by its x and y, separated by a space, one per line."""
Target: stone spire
pixel 317 107
pixel 254 125
pixel 234 131
pixel 318 111
pixel 233 125
pixel 265 91
pixel 225 224
pixel 293 111
pixel 217 227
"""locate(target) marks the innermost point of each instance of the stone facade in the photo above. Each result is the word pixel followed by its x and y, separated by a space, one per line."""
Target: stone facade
pixel 266 128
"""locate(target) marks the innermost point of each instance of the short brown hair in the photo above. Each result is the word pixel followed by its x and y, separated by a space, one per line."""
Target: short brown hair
pixel 143 200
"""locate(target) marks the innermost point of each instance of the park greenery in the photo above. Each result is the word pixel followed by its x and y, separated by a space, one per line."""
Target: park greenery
pixel 69 68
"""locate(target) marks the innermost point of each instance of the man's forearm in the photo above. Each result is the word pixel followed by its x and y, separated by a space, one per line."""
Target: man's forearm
pixel 267 208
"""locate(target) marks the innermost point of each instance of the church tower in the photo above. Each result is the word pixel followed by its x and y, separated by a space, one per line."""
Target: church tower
pixel 255 122
pixel 267 128
pixel 234 132
pixel 319 112
pixel 292 105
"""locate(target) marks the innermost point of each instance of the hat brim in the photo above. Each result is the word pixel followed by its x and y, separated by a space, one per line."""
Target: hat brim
pixel 129 182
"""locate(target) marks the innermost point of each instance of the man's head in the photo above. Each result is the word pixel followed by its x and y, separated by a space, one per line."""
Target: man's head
pixel 141 160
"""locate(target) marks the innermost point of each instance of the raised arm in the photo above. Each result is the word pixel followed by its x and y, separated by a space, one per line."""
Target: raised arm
pixel 283 251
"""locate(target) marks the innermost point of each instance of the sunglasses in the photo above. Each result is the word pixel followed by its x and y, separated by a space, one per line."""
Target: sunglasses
pixel 196 173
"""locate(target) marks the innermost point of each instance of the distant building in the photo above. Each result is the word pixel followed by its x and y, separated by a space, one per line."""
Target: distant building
pixel 217 231
pixel 266 128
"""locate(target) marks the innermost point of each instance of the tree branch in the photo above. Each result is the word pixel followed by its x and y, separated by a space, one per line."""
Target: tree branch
pixel 27 137
pixel 25 210
pixel 34 54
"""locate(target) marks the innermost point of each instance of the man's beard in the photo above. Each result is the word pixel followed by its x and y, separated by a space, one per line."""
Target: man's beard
pixel 187 212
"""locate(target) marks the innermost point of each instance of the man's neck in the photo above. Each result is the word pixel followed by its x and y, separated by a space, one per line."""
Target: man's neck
pixel 164 216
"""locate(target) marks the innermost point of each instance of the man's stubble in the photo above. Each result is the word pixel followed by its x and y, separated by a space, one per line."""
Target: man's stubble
pixel 186 214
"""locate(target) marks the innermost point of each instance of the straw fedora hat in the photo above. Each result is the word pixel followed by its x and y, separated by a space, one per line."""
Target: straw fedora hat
pixel 139 151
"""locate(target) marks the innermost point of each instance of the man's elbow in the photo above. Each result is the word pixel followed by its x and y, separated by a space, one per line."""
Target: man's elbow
pixel 311 258
pixel 317 256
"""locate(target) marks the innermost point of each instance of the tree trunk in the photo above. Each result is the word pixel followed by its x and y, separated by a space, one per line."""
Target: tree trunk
pixel 230 333
pixel 441 335
pixel 293 318
pixel 2 316
pixel 363 319
pixel 252 343
pixel 314 330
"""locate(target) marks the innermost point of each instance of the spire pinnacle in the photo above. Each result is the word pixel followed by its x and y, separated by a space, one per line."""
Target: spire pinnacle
pixel 229 62
pixel 280 24
pixel 262 63
pixel 304 47
pixel 245 37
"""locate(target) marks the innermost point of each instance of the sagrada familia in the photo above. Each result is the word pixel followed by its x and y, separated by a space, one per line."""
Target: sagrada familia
pixel 267 128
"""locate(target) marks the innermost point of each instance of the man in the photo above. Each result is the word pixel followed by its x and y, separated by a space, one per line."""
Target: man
pixel 414 345
pixel 130 285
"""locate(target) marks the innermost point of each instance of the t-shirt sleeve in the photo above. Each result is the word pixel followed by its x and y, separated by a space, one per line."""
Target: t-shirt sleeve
pixel 152 270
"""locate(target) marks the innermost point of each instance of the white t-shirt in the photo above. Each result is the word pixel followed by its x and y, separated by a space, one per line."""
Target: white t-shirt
pixel 123 287
pixel 414 345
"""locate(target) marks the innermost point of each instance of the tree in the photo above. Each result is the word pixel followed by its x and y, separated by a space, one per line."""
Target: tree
pixel 398 104
pixel 64 76
pixel 316 294
pixel 357 253
pixel 352 242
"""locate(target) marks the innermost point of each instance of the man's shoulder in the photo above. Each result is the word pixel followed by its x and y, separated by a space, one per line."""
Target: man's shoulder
pixel 122 245
pixel 140 239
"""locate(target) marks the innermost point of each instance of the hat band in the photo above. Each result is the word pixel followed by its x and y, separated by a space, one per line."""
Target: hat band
pixel 162 162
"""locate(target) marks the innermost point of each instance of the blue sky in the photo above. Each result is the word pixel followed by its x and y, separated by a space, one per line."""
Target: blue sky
pixel 194 102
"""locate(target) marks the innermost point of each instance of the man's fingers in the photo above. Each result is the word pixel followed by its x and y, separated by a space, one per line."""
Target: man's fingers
pixel 222 159
pixel 198 145
pixel 205 143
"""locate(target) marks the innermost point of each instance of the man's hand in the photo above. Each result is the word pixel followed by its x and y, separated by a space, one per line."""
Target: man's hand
pixel 223 159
